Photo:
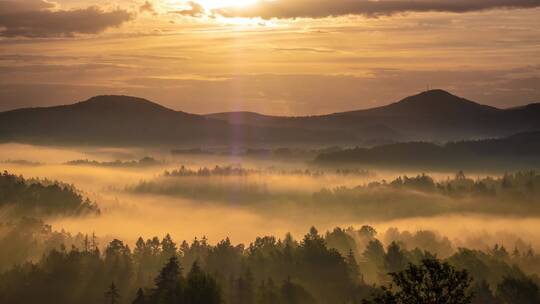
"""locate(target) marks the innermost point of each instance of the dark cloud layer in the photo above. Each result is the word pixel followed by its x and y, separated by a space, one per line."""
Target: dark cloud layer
pixel 269 9
pixel 33 18
pixel 15 6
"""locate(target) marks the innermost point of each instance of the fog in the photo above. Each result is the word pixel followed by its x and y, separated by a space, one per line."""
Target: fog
pixel 127 214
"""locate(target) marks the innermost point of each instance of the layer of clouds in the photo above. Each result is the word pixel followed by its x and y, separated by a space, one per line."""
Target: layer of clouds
pixel 147 7
pixel 195 10
pixel 36 18
pixel 17 6
pixel 268 9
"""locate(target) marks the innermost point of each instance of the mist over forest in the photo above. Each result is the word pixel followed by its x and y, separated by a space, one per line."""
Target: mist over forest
pixel 120 200
pixel 84 224
pixel 269 152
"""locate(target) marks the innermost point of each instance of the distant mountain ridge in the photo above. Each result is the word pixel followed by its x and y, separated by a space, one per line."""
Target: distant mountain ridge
pixel 519 151
pixel 123 120
pixel 431 115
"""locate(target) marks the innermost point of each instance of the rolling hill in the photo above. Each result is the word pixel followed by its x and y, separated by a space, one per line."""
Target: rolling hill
pixel 519 151
pixel 123 120
pixel 131 121
pixel 434 115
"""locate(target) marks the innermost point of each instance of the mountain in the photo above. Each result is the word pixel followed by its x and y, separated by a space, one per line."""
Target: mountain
pixel 102 119
pixel 428 103
pixel 519 151
pixel 123 120
pixel 434 115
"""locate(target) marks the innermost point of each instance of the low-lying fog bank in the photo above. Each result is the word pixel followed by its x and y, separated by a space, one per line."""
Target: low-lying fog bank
pixel 283 198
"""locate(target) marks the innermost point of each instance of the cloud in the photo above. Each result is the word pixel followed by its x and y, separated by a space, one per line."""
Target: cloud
pixel 34 18
pixel 304 49
pixel 282 9
pixel 147 7
pixel 196 10
pixel 17 6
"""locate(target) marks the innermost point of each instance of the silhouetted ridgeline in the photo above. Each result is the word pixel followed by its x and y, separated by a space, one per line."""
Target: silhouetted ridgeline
pixel 123 120
pixel 517 151
pixel 432 115
pixel 143 162
pixel 277 153
pixel 19 196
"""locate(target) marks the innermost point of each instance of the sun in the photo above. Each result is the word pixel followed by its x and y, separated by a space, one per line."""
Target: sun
pixel 213 4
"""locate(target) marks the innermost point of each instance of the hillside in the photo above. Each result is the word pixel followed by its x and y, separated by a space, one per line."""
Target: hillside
pixel 123 120
pixel 516 151
pixel 434 115
pixel 104 119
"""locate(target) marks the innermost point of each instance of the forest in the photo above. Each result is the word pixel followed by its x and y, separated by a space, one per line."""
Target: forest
pixel 517 152
pixel 119 226
pixel 41 197
pixel 340 266
pixel 514 193
pixel 269 151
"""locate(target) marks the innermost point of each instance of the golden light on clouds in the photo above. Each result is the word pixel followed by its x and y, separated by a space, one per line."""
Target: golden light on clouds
pixel 166 50
pixel 206 7
pixel 213 4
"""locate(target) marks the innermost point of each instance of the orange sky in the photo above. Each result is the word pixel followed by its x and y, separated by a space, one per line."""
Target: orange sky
pixel 289 57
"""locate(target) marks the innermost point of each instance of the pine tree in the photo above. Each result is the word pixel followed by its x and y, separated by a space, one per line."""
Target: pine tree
pixel 140 298
pixel 168 246
pixel 168 283
pixel 111 295
pixel 243 292
pixel 201 288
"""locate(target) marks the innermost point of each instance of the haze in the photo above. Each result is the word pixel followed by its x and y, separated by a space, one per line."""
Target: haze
pixel 270 151
pixel 249 55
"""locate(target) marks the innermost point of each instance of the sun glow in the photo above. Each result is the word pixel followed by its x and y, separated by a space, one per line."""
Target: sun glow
pixel 213 4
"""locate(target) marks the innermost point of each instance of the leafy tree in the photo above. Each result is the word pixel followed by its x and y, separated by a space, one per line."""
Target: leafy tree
pixel 367 232
pixel 427 283
pixel 267 293
pixel 521 290
pixel 352 266
pixel 374 253
pixel 394 259
pixel 292 293
pixel 483 294
pixel 340 240
pixel 41 197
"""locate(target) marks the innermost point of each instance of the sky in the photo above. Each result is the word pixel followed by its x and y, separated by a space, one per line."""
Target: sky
pixel 280 57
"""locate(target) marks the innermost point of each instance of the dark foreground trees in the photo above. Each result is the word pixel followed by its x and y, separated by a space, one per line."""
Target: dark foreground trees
pixel 313 270
pixel 112 296
pixel 35 197
pixel 427 283
pixel 521 290
pixel 171 287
